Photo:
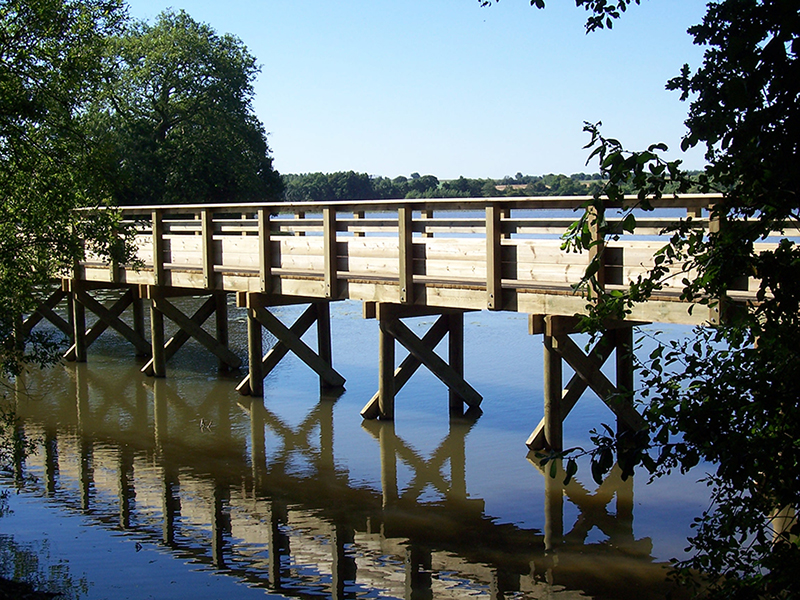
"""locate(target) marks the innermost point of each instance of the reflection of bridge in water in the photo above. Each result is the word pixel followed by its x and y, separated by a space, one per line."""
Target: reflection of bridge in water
pixel 292 519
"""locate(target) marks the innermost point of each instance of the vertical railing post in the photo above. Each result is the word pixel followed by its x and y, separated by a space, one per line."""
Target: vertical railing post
pixel 207 227
pixel 158 247
pixel 264 250
pixel 359 214
pixel 406 254
pixel 329 243
pixel 427 215
pixel 596 251
pixel 493 258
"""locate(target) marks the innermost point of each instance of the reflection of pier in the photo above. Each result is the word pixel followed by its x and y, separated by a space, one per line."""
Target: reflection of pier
pixel 291 519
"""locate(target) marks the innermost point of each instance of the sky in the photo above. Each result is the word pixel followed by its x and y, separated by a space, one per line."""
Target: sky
pixel 448 88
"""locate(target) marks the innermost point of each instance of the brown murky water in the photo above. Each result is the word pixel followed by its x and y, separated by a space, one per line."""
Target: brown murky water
pixel 144 488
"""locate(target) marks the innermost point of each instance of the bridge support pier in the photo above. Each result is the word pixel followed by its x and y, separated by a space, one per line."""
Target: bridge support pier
pixel 289 340
pixel 188 327
pixel 107 316
pixel 450 322
pixel 559 400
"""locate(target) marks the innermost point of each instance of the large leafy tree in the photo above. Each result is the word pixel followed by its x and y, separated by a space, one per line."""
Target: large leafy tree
pixel 726 394
pixel 176 123
pixel 50 67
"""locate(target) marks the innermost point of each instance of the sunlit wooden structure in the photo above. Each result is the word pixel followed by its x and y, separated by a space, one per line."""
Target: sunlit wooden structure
pixel 401 259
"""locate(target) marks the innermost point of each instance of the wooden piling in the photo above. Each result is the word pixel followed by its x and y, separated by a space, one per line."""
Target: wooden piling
pixel 553 394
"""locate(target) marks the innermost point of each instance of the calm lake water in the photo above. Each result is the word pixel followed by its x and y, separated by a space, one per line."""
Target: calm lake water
pixel 180 487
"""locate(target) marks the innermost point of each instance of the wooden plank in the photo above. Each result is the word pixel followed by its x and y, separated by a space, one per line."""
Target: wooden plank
pixel 408 367
pixel 196 331
pixel 180 337
pixel 296 345
pixel 433 362
pixel 406 254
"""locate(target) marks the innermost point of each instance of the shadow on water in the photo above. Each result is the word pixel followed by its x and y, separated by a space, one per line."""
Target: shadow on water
pixel 231 485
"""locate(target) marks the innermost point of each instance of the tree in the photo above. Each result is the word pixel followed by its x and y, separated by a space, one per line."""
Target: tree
pixel 726 394
pixel 50 69
pixel 176 123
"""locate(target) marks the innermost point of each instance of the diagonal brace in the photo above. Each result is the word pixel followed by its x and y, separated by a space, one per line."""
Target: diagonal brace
pixel 45 311
pixel 408 367
pixel 574 389
pixel 196 331
pixel 280 349
pixel 108 317
pixel 298 346
pixel 598 382
pixel 174 343
pixel 433 362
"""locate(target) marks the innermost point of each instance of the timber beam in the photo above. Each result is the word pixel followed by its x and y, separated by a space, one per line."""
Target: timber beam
pixel 559 401
pixel 106 317
pixel 188 327
pixel 421 352
pixel 289 340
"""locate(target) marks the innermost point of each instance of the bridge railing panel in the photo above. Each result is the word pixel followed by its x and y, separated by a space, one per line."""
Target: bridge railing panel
pixel 479 245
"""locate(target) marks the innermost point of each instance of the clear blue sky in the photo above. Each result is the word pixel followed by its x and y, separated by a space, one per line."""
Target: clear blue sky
pixel 445 87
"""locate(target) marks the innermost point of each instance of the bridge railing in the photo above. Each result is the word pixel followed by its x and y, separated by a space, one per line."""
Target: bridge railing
pixel 482 252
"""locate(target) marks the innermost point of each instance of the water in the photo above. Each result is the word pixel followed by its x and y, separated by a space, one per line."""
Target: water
pixel 144 488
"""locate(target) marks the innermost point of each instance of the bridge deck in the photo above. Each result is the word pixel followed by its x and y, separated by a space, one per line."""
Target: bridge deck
pixel 500 254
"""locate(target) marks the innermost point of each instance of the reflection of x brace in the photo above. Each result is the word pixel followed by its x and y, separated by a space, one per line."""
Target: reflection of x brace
pixel 429 471
pixel 594 507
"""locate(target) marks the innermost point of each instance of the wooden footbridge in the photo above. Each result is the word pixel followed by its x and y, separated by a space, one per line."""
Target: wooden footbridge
pixel 401 259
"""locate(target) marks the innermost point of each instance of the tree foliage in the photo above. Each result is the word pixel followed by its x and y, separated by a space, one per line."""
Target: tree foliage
pixel 176 121
pixel 50 68
pixel 726 394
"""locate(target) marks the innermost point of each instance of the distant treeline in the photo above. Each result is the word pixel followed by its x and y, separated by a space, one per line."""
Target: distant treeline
pixel 362 186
